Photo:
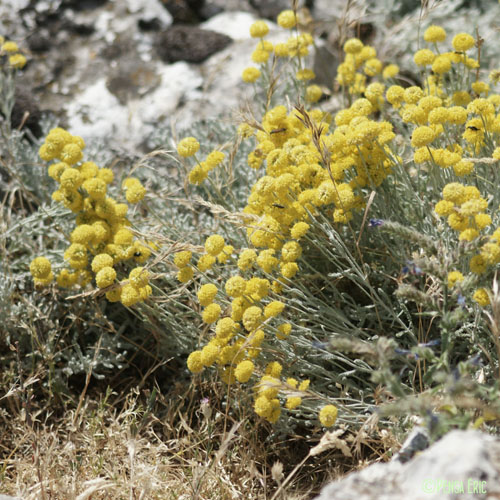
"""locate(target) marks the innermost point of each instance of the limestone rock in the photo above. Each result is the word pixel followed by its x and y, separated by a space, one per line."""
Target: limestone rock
pixel 463 465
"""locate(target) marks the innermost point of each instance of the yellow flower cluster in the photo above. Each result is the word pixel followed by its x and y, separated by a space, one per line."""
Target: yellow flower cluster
pixel 361 64
pixel 465 209
pixel 188 147
pixel 296 47
pixel 102 237
pixel 11 50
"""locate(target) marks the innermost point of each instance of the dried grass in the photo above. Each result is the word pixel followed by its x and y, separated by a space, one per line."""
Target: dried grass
pixel 147 445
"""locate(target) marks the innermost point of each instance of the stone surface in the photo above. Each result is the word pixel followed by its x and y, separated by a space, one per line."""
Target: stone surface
pixel 190 43
pixel 463 465
pixel 26 113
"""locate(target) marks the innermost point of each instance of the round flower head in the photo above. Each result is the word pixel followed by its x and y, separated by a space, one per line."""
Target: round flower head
pixel 188 147
pixel 9 47
pixel 424 57
pixel 105 277
pixel 40 268
pixel 135 193
pixel 182 259
pixel 434 34
pixel 215 158
pixel 235 286
pixel 244 371
pixel 353 46
pixel 260 56
pixel 211 313
pixel 463 42
pixel 129 296
pixel 194 363
pixel 214 244
pixel 71 154
pixel 17 61
pixel 206 294
pixel 250 74
pixel 287 19
pixel 185 274
pixel 313 93
pixel 328 415
pixel 259 29
pixel 139 277
pixel 100 261
pixel 481 297
pixel 96 188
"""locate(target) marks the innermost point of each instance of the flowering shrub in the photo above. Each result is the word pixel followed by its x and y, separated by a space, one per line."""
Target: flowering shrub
pixel 366 245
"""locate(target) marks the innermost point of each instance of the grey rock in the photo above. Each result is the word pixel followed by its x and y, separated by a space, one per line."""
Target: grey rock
pixel 271 8
pixel 25 112
pixel 190 44
pixel 184 11
pixel 463 465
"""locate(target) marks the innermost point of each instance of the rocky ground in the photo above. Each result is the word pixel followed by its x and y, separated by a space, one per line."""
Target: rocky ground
pixel 116 68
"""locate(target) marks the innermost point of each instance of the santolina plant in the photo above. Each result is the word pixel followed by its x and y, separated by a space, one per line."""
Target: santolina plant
pixel 376 227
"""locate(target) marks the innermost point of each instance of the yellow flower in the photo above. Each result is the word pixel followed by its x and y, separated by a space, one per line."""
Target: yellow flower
pixel 71 154
pixel 194 363
pixel 313 93
pixel 292 402
pixel 259 29
pixel 273 309
pixel 441 64
pixel 328 415
pixel 353 46
pixel 182 259
pixel 105 277
pixel 9 47
pixel 188 147
pixel 424 57
pixel 434 34
pixel 211 313
pixel 129 296
pixel 250 74
pixel 481 297
pixel 235 286
pixel 287 19
pixel 17 61
pixel 185 274
pixel 244 371
pixel 462 42
pixel 135 193
pixel 274 369
pixel 390 71
pixel 139 277
pixel 40 268
pixel 101 261
pixel 260 56
pixel 206 294
pixel 252 318
pixel 214 245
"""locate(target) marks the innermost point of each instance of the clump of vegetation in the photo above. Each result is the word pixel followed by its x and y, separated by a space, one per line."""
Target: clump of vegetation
pixel 319 270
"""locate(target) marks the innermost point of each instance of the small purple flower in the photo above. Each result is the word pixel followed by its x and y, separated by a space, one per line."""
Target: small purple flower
pixel 375 222
pixel 461 300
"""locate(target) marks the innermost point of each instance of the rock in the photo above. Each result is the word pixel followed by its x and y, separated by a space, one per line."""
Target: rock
pixel 210 10
pixel 8 497
pixel 26 112
pixel 151 14
pixel 184 11
pixel 191 44
pixel 40 41
pixel 462 465
pixel 271 8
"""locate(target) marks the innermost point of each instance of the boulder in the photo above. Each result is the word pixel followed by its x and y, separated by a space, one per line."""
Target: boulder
pixel 462 465
pixel 190 44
